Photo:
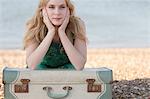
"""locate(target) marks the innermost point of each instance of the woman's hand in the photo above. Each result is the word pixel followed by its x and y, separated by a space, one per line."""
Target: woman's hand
pixel 62 28
pixel 46 20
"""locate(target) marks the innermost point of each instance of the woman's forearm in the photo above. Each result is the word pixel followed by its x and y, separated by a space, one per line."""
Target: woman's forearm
pixel 75 57
pixel 37 55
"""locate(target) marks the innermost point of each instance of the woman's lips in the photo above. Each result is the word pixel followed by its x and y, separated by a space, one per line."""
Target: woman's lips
pixel 56 18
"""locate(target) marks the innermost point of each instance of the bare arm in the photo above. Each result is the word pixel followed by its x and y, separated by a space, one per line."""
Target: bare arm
pixel 35 52
pixel 77 54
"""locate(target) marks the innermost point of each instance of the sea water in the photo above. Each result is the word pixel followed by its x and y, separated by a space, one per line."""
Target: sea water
pixel 109 23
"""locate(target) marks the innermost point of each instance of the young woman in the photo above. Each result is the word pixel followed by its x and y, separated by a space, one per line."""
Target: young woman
pixel 55 37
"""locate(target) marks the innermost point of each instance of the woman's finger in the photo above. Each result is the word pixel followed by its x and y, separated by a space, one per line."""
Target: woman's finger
pixel 67 17
pixel 66 21
pixel 46 19
pixel 43 12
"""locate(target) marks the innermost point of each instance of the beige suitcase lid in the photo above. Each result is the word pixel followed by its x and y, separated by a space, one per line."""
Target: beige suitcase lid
pixel 14 75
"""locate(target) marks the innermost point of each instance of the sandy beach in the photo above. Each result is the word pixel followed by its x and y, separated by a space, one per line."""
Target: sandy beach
pixel 126 63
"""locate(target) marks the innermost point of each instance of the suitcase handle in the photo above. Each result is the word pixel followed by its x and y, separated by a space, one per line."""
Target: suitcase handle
pixel 57 95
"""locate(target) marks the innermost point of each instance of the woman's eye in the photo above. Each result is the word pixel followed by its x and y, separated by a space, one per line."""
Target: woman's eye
pixel 62 7
pixel 52 7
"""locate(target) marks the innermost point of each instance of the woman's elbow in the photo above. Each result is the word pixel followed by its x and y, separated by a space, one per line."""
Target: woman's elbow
pixel 81 65
pixel 31 65
pixel 80 68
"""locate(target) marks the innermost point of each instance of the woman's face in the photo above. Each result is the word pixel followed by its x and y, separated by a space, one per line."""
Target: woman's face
pixel 56 10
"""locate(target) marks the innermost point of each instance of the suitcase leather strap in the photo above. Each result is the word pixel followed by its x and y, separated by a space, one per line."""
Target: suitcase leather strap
pixel 91 87
pixel 22 88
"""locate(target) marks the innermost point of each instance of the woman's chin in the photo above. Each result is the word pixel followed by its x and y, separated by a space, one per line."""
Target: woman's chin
pixel 57 24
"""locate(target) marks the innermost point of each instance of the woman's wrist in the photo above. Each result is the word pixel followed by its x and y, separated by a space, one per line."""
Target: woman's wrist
pixel 61 32
pixel 51 32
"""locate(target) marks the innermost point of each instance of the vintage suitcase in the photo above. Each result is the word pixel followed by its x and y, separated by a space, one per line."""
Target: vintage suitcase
pixel 57 84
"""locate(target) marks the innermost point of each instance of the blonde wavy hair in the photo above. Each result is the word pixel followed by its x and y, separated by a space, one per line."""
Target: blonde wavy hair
pixel 37 30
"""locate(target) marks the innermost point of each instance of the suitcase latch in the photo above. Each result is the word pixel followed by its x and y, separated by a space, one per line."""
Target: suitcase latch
pixel 91 87
pixel 22 88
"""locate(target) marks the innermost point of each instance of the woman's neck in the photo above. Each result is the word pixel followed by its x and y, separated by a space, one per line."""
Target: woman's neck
pixel 56 37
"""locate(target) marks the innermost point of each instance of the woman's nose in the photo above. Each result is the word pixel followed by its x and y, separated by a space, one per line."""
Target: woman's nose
pixel 57 11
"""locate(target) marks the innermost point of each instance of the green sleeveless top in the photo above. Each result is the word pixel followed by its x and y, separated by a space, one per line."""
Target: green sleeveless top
pixel 55 58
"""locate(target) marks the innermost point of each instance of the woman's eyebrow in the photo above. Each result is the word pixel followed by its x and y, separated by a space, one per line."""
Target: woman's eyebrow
pixel 57 4
pixel 51 4
pixel 62 5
